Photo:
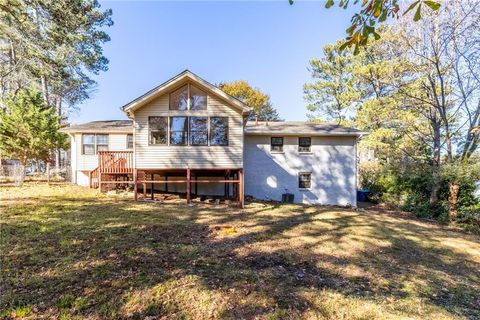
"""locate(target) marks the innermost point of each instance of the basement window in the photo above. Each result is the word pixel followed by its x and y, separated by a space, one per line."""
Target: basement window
pixel 276 144
pixel 304 180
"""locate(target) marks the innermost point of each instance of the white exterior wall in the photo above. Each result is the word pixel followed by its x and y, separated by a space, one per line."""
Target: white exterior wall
pixel 165 156
pixel 82 163
pixel 332 164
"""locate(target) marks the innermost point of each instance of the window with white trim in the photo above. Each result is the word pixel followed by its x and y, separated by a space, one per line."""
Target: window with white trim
pixel 304 180
pixel 94 142
pixel 129 141
pixel 304 144
pixel 276 144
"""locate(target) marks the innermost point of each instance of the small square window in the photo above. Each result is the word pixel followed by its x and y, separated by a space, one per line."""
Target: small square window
pixel 304 144
pixel 276 144
pixel 304 180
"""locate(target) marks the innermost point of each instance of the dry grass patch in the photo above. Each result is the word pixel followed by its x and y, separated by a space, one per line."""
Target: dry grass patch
pixel 69 252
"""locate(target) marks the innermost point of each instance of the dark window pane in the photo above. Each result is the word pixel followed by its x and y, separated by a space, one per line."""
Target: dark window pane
pixel 198 131
pixel 129 141
pixel 178 130
pixel 276 144
pixel 198 99
pixel 219 131
pixel 179 98
pixel 158 129
pixel 304 144
pixel 304 180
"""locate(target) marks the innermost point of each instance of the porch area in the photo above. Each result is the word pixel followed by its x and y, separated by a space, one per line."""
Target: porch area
pixel 116 171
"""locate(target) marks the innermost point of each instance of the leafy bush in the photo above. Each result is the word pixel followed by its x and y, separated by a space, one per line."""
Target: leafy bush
pixel 469 218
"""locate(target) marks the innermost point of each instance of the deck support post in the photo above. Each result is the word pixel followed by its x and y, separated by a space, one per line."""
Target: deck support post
pixel 100 180
pixel 240 188
pixel 135 188
pixel 188 185
pixel 151 186
pixel 90 179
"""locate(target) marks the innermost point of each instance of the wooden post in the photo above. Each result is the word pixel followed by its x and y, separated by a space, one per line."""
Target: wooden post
pixel 188 185
pixel 100 180
pixel 135 190
pixel 48 172
pixel 151 186
pixel 166 184
pixel 240 188
pixel 90 179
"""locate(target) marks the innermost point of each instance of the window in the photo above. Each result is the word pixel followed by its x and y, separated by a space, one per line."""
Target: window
pixel 179 99
pixel 304 180
pixel 276 144
pixel 198 99
pixel 88 144
pixel 218 131
pixel 92 143
pixel 102 142
pixel 304 144
pixel 158 127
pixel 129 141
pixel 198 135
pixel 188 97
pixel 178 131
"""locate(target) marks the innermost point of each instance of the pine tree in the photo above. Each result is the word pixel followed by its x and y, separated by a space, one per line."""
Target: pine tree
pixel 29 129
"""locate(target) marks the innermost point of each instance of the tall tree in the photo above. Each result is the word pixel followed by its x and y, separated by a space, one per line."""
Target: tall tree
pixel 29 129
pixel 253 97
pixel 333 96
pixel 54 44
pixel 420 92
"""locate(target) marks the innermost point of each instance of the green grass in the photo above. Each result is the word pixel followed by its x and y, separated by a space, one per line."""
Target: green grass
pixel 71 253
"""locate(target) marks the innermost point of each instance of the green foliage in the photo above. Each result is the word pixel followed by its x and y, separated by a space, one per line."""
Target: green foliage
pixel 55 44
pixel 469 218
pixel 254 98
pixel 334 93
pixel 373 12
pixel 29 130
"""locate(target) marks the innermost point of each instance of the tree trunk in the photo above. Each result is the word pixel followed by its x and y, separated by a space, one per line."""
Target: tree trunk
pixel 454 189
pixel 436 178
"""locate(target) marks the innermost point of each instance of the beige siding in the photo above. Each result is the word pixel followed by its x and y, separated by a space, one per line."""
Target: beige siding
pixel 156 156
pixel 116 142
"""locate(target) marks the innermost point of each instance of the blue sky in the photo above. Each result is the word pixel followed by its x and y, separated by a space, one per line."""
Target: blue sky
pixel 267 43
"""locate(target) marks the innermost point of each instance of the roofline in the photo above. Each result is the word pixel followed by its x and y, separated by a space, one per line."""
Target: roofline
pixel 96 131
pixel 304 133
pixel 138 102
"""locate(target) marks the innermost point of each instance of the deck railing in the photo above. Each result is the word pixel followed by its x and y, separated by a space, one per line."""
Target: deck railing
pixel 115 161
pixel 93 177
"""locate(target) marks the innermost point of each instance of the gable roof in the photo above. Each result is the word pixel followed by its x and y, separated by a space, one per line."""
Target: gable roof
pixel 299 128
pixel 113 126
pixel 181 78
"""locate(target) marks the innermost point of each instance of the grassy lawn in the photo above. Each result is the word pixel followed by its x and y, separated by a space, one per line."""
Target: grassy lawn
pixel 68 252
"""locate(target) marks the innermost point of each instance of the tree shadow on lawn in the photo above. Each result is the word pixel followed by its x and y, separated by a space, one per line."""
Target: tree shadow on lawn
pixel 103 252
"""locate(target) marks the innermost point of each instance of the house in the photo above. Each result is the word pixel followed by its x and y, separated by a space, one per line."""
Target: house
pixel 188 137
